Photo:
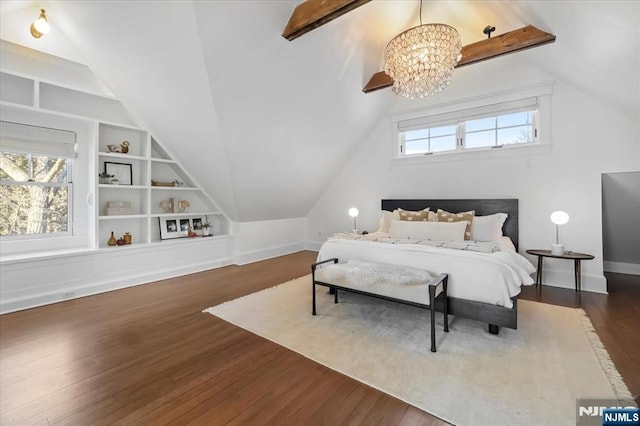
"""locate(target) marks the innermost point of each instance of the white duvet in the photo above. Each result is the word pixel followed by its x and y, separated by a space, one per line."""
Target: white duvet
pixel 484 277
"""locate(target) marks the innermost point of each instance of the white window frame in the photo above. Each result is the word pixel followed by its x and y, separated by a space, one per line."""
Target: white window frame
pixel 82 169
pixel 536 97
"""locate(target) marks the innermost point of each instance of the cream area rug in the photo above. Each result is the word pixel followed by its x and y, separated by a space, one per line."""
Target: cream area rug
pixel 529 376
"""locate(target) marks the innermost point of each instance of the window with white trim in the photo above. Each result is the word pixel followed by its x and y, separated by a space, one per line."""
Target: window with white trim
pixel 484 127
pixel 36 188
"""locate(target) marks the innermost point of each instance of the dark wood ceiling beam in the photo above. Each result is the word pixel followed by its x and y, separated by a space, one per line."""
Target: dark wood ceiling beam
pixel 513 41
pixel 311 14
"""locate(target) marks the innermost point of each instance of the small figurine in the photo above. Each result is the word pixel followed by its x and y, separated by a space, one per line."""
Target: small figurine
pixel 105 177
pixel 123 148
pixel 174 205
pixel 191 234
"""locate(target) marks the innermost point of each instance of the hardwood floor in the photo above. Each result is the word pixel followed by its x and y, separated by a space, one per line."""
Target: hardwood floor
pixel 148 355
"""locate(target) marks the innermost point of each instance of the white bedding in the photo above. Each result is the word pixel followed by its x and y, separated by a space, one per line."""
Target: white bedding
pixel 484 277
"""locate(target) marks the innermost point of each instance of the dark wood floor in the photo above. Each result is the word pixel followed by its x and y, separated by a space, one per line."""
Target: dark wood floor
pixel 147 355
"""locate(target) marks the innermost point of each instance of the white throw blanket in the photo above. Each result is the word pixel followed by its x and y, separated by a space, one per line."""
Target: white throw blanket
pixel 368 274
pixel 482 247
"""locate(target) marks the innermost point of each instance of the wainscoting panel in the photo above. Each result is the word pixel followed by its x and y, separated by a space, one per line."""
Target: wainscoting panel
pixel 27 283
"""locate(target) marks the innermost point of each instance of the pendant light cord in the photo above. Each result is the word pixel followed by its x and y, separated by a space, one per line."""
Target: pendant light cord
pixel 420 12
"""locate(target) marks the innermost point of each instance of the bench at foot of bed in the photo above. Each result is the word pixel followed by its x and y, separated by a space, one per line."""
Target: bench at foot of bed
pixel 493 315
pixel 436 288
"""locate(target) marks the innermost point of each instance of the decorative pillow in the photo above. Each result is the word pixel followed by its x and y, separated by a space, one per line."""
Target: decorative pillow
pixel 433 216
pixel 437 231
pixel 444 216
pixel 385 220
pixel 488 228
pixel 419 216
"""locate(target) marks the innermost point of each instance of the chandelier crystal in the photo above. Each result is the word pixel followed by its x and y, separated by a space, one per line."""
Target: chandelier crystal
pixel 421 59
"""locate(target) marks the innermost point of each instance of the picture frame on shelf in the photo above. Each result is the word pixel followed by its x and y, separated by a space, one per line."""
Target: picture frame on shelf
pixel 123 172
pixel 178 226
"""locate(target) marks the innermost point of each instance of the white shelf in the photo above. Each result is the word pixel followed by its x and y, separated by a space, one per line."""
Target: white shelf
pixel 120 156
pixel 174 188
pixel 111 186
pixel 122 216
pixel 187 214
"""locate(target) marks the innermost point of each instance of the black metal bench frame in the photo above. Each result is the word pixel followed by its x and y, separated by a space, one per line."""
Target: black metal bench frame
pixel 440 280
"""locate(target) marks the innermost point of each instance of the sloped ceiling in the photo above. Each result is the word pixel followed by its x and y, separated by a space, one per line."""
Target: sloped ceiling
pixel 264 124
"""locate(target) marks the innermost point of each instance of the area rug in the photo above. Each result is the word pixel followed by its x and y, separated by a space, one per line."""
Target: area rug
pixel 529 376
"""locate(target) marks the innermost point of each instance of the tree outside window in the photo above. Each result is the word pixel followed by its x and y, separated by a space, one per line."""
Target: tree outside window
pixel 35 193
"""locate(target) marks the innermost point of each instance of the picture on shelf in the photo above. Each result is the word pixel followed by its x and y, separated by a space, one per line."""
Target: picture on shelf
pixel 178 226
pixel 122 173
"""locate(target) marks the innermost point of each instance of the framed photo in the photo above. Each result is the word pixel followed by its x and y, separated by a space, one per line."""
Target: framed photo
pixel 121 171
pixel 178 226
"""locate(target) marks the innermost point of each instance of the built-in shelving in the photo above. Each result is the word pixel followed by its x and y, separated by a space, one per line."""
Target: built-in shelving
pixel 146 160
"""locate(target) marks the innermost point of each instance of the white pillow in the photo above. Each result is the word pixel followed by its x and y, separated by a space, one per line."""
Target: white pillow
pixel 385 220
pixel 436 231
pixel 488 228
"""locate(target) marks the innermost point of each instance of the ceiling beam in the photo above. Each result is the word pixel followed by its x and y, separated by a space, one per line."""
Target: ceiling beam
pixel 513 41
pixel 311 14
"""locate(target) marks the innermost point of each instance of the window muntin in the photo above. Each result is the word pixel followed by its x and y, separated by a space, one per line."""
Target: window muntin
pixel 35 194
pixel 433 139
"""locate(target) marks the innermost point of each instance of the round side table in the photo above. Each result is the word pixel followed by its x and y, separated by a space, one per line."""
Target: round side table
pixel 571 255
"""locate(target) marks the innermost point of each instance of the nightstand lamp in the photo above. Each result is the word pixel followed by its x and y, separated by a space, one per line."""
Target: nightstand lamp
pixel 353 212
pixel 559 218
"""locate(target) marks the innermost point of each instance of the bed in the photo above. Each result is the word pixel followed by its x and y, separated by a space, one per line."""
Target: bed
pixel 483 286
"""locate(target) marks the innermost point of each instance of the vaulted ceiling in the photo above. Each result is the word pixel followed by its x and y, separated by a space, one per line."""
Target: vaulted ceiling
pixel 264 124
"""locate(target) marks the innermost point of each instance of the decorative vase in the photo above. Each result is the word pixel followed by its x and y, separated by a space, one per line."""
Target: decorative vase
pixel 112 240
pixel 205 231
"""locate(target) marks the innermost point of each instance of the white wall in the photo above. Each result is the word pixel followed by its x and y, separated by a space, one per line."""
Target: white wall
pixel 268 238
pixel 588 137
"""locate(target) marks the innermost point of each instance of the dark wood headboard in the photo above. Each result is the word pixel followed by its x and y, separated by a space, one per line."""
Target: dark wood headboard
pixel 481 206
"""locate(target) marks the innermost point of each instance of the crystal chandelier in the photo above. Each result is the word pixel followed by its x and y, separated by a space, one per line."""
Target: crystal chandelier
pixel 421 59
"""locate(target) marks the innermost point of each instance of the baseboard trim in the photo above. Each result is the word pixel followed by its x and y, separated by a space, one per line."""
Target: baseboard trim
pixel 622 268
pixel 76 292
pixel 590 282
pixel 267 253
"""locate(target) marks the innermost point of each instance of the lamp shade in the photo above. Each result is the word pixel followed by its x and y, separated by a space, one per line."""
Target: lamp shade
pixel 353 212
pixel 559 217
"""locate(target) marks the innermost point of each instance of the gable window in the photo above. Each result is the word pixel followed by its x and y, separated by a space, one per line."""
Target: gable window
pixel 504 120
pixel 469 131
pixel 36 189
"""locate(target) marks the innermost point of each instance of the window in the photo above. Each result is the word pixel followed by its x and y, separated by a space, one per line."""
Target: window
pixel 35 181
pixel 494 125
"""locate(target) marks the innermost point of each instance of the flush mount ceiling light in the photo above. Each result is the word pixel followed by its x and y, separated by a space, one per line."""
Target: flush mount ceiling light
pixel 421 59
pixel 40 26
